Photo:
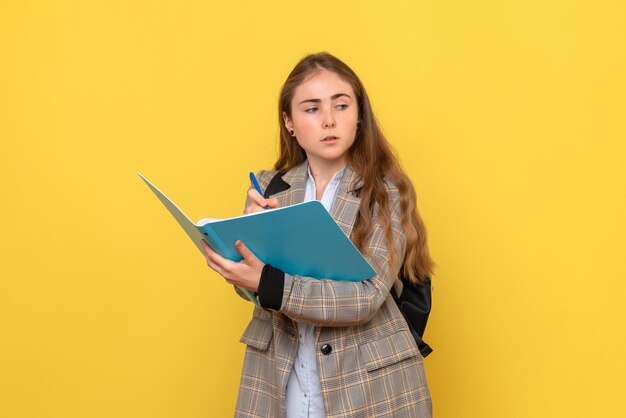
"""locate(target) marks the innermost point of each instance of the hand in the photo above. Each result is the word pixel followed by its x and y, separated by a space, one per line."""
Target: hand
pixel 258 202
pixel 245 273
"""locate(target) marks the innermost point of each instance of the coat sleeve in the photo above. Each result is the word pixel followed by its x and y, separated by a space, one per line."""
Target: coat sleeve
pixel 337 303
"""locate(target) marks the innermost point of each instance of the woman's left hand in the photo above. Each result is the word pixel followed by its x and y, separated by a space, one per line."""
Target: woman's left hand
pixel 245 273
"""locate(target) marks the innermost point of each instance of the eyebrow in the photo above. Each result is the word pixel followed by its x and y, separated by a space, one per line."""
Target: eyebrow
pixel 333 97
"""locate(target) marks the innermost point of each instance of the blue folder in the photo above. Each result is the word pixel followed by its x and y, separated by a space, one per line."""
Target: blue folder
pixel 301 239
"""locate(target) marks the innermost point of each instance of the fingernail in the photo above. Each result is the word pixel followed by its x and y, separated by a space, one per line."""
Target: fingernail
pixel 238 243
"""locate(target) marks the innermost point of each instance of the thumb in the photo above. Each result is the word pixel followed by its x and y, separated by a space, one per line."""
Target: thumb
pixel 244 251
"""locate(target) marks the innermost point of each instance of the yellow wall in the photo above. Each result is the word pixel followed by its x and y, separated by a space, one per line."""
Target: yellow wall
pixel 508 116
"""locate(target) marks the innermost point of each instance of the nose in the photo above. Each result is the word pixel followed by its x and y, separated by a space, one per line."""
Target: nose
pixel 329 120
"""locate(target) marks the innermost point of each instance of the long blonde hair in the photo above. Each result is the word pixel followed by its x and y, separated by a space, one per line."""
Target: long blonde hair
pixel 372 158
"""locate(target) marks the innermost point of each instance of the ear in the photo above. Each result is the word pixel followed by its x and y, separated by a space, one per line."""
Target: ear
pixel 287 121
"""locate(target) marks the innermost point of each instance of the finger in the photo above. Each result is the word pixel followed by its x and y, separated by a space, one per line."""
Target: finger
pixel 221 265
pixel 207 249
pixel 217 259
pixel 256 197
pixel 212 256
pixel 253 209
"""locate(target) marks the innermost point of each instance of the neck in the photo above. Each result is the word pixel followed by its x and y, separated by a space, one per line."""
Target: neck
pixel 323 172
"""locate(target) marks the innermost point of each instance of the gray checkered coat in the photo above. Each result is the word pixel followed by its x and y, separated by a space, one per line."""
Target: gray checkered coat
pixel 374 368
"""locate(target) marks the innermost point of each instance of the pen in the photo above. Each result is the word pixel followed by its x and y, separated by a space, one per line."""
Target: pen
pixel 256 186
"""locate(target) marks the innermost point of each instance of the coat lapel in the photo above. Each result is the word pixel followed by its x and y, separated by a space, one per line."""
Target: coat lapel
pixel 346 205
pixel 296 178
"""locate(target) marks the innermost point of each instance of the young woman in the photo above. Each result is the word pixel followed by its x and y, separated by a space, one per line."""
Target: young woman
pixel 325 348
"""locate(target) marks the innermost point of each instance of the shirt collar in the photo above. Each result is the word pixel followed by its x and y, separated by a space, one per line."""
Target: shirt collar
pixel 336 177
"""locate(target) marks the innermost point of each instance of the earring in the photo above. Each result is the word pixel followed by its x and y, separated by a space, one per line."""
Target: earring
pixel 292 132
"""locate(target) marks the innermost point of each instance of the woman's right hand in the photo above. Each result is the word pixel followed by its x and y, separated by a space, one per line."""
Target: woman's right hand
pixel 258 202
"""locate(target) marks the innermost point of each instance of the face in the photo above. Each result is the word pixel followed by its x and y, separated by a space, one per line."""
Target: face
pixel 324 116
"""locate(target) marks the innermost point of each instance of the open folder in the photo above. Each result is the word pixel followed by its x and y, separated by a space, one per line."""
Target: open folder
pixel 301 239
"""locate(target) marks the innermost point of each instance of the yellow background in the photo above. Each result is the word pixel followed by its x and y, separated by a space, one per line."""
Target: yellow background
pixel 508 116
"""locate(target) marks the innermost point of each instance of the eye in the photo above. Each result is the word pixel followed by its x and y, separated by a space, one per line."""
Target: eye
pixel 311 110
pixel 342 106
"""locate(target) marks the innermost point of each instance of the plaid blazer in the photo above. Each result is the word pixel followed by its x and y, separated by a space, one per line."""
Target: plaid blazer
pixel 368 362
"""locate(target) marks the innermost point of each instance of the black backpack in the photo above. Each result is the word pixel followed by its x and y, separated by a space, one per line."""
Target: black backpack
pixel 415 300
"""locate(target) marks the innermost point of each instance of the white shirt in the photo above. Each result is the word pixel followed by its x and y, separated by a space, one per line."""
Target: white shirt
pixel 304 393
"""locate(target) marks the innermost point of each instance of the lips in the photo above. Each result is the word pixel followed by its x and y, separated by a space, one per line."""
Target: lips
pixel 330 138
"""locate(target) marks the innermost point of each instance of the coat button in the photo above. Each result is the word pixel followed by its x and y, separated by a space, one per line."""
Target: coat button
pixel 326 349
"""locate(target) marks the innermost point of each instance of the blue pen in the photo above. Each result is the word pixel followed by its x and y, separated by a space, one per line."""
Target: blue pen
pixel 256 186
